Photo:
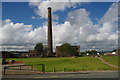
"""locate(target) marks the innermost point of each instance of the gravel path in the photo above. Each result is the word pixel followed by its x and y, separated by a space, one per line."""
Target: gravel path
pixel 107 63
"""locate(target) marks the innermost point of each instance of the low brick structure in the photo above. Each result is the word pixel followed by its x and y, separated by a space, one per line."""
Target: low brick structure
pixel 33 54
pixel 58 53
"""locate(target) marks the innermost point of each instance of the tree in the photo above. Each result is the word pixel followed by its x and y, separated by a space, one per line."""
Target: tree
pixel 92 52
pixel 45 48
pixel 67 50
pixel 39 48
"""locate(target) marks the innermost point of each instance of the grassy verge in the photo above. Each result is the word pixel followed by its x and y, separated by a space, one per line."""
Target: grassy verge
pixel 67 63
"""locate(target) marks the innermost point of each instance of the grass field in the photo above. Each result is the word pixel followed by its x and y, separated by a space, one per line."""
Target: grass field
pixel 79 64
pixel 112 60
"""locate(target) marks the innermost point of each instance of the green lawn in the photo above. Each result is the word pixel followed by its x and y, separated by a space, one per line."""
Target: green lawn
pixel 112 60
pixel 81 63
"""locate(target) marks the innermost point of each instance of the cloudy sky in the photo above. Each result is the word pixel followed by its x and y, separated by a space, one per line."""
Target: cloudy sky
pixel 92 25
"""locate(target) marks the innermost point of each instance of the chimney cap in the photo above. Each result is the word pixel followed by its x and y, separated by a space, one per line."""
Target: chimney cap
pixel 49 8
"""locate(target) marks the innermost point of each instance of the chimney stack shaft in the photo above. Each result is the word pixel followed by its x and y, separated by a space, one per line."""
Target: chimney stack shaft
pixel 50 46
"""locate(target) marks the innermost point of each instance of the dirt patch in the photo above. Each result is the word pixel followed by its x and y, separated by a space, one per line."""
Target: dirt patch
pixel 16 62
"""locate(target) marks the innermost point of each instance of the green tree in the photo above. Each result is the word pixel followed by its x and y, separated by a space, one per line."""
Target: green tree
pixel 67 50
pixel 39 48
pixel 91 52
pixel 45 48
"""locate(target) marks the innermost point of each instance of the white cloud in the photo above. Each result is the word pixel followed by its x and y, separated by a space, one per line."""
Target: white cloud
pixel 20 34
pixel 108 31
pixel 111 15
pixel 14 33
pixel 42 7
pixel 0 31
pixel 113 37
pixel 75 0
pixel 109 28
pixel 80 29
pixel 34 2
pixel 94 0
pixel 77 29
pixel 83 26
pixel 33 17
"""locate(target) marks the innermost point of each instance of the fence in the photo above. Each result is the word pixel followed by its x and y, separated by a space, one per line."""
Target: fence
pixel 20 67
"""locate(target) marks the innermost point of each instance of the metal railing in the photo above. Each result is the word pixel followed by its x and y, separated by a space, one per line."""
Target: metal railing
pixel 20 67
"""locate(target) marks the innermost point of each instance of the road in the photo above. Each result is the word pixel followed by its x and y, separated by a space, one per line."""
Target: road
pixel 87 74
